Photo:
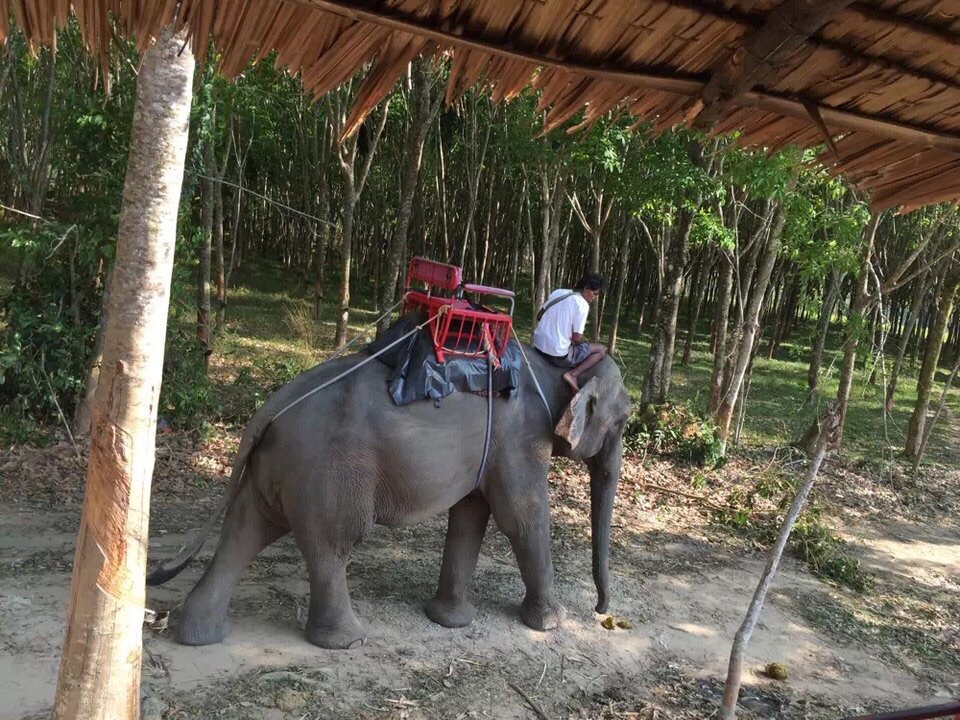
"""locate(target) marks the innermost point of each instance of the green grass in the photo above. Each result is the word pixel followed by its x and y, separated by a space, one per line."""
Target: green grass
pixel 258 337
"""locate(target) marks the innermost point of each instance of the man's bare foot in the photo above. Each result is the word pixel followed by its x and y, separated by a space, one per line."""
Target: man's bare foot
pixel 572 382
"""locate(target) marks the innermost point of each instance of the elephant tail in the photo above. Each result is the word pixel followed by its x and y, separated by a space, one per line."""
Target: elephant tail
pixel 171 568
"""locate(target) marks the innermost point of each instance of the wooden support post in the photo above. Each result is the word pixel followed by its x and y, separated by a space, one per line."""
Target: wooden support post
pixel 829 429
pixel 100 667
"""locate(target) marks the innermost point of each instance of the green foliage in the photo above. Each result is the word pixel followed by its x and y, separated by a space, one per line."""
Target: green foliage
pixel 757 511
pixel 187 399
pixel 50 323
pixel 673 430
pixel 825 554
pixel 19 428
pixel 823 226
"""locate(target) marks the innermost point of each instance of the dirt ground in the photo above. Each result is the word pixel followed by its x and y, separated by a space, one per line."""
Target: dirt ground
pixel 680 583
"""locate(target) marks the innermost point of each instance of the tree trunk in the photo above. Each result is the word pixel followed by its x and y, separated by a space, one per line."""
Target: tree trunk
pixel 206 223
pixel 828 428
pixel 751 323
pixel 595 232
pixel 420 119
pixel 354 181
pixel 656 386
pixel 697 294
pixel 621 282
pixel 552 190
pixel 928 426
pixel 346 258
pixel 220 275
pixel 323 235
pixel 720 323
pixel 931 358
pixel 855 323
pixel 83 415
pixel 853 330
pixel 830 294
pixel 916 304
pixel 100 667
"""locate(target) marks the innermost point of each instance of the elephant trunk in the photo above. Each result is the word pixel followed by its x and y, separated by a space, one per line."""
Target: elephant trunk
pixel 604 477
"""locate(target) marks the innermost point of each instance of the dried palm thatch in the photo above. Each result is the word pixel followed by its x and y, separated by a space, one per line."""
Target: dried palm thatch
pixel 876 81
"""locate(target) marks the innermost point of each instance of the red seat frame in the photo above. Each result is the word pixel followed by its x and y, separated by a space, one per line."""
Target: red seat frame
pixel 457 328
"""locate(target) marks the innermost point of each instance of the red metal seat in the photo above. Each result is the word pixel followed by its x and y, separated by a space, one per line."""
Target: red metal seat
pixel 458 327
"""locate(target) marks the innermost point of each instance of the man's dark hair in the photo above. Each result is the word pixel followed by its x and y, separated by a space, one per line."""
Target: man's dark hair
pixel 591 281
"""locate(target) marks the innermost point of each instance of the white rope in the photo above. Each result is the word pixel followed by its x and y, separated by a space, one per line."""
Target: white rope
pixel 363 334
pixel 277 203
pixel 356 367
pixel 536 383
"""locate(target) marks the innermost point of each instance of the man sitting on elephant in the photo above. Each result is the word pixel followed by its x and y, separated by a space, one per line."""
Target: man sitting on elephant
pixel 560 325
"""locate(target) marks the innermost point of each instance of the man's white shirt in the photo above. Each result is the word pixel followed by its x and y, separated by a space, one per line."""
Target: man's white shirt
pixel 554 331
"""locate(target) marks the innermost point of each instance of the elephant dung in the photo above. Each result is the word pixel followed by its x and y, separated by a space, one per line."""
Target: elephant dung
pixel 290 700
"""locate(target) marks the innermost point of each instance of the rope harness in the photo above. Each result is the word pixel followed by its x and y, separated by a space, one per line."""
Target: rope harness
pixel 536 383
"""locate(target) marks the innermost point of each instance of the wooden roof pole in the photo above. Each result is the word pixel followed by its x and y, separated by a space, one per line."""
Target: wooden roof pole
pixel 674 82
pixel 785 30
pixel 916 25
pixel 754 20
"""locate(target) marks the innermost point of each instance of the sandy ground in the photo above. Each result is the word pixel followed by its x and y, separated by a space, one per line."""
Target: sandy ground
pixel 682 591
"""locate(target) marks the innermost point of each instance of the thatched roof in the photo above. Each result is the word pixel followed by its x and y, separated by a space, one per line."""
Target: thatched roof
pixel 878 81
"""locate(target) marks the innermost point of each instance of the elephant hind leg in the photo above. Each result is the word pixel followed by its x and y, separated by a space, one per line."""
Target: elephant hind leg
pixel 331 622
pixel 244 534
pixel 327 525
pixel 466 527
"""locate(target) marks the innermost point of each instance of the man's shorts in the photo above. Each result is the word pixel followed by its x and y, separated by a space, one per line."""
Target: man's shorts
pixel 576 355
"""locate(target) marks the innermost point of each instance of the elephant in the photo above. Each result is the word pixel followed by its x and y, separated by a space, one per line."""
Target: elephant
pixel 347 458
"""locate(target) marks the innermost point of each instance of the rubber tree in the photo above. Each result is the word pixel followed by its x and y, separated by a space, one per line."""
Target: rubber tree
pixel 915 259
pixel 830 294
pixel 354 171
pixel 751 323
pixel 856 320
pixel 656 384
pixel 421 111
pixel 920 288
pixel 100 667
pixel 931 358
pixel 622 270
pixel 593 226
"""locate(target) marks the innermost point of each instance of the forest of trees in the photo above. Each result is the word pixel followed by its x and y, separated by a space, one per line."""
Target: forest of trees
pixel 694 234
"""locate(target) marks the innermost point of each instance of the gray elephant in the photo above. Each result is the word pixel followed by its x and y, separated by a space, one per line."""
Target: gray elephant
pixel 346 458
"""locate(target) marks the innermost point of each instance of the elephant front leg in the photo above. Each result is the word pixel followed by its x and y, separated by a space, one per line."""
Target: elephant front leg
pixel 524 516
pixel 466 526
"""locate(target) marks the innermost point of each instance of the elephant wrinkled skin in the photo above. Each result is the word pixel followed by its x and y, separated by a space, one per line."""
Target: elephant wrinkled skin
pixel 347 457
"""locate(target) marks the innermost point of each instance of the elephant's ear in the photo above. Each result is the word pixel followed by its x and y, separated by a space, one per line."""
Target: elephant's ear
pixel 577 415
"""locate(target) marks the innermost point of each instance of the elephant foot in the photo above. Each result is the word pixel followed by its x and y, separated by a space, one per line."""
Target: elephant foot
pixel 450 613
pixel 191 631
pixel 337 637
pixel 541 614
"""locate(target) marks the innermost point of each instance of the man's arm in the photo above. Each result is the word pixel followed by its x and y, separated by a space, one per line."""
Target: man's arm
pixel 580 324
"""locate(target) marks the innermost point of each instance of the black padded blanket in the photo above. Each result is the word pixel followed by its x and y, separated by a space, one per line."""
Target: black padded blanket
pixel 417 375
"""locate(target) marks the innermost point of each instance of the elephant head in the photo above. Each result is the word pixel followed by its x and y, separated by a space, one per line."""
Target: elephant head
pixel 591 429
